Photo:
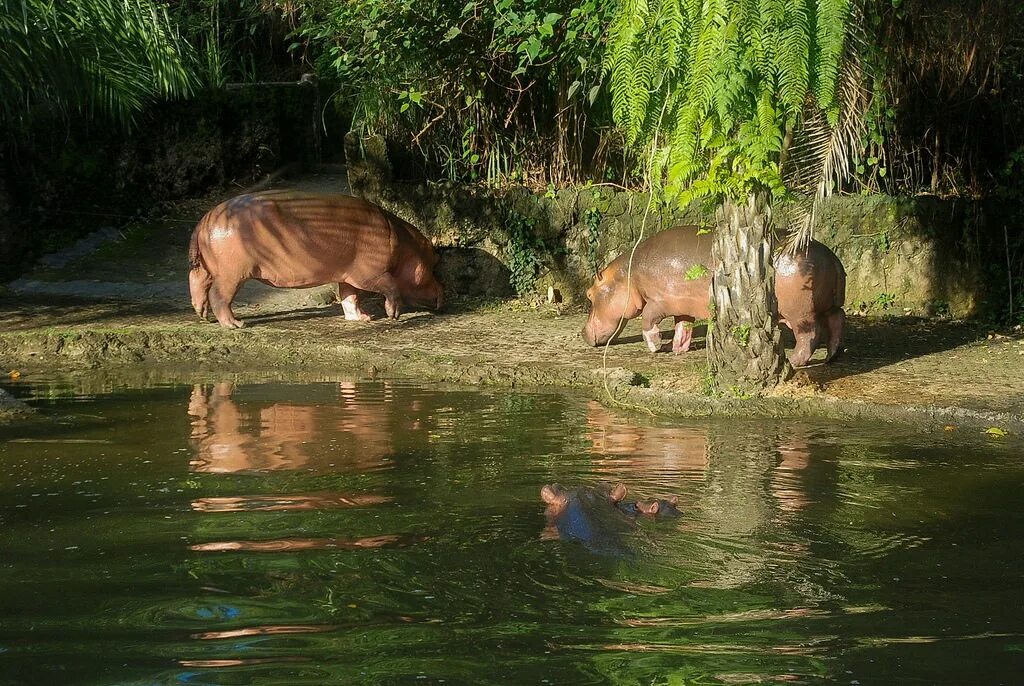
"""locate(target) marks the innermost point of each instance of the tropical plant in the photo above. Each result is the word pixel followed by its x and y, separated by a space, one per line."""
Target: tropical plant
pixel 739 102
pixel 91 57
pixel 486 90
pixel 240 41
pixel 950 80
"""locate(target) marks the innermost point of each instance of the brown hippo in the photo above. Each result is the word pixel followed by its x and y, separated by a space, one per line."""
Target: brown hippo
pixel 670 277
pixel 297 240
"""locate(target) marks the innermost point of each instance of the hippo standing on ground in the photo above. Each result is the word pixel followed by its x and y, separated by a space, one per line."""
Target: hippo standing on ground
pixel 297 240
pixel 670 277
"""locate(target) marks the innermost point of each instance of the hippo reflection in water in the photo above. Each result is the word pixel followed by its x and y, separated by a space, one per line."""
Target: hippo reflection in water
pixel 599 518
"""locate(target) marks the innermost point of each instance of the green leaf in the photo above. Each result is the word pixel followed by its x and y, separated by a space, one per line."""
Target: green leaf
pixel 451 33
pixel 592 95
pixel 573 87
pixel 697 271
pixel 552 17
pixel 996 431
pixel 533 47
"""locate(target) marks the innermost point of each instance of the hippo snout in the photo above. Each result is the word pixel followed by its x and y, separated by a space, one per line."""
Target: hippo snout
pixel 593 336
pixel 588 337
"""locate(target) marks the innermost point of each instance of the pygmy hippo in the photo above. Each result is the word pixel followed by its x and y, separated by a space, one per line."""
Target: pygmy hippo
pixel 297 240
pixel 670 276
pixel 599 518
pixel 663 508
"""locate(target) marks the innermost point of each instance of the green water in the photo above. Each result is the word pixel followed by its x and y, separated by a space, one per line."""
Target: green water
pixel 384 533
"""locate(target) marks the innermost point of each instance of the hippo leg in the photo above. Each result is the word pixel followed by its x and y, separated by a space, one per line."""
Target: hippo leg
pixel 683 335
pixel 652 316
pixel 835 321
pixel 199 282
pixel 350 303
pixel 226 290
pixel 807 334
pixel 386 285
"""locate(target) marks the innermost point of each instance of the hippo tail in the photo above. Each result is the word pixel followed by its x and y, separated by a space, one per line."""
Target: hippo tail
pixel 195 259
pixel 199 278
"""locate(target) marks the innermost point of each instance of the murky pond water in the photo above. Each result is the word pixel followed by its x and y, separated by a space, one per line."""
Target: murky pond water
pixel 375 532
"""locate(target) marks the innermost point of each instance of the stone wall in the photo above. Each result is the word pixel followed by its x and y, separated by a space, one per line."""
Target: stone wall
pixel 63 180
pixel 921 256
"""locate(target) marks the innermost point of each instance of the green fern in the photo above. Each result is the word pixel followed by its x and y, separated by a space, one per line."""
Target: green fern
pixel 829 40
pixel 106 57
pixel 719 82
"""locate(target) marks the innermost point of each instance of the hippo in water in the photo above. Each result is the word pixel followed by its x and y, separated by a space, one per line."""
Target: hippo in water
pixel 670 277
pixel 662 508
pixel 297 240
pixel 599 518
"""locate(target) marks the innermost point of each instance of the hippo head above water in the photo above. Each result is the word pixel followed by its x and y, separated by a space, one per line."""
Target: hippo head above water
pixel 653 507
pixel 599 518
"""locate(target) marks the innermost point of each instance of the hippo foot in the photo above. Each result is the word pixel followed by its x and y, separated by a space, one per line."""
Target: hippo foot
pixel 357 317
pixel 352 311
pixel 834 356
pixel 653 339
pixel 680 347
pixel 232 324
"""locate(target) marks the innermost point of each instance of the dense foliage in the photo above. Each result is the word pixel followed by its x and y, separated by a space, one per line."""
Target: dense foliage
pixel 493 90
pixel 949 118
pixel 107 57
pixel 724 85
pixel 517 91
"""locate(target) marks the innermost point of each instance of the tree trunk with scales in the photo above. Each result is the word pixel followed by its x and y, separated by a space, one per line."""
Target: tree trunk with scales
pixel 744 345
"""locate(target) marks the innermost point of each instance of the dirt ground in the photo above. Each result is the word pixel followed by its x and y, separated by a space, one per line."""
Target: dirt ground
pixel 126 308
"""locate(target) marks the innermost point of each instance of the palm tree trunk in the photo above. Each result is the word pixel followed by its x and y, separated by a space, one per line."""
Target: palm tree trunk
pixel 744 346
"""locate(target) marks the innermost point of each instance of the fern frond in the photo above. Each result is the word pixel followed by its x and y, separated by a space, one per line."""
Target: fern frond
pixel 793 62
pixel 824 152
pixel 621 64
pixel 829 38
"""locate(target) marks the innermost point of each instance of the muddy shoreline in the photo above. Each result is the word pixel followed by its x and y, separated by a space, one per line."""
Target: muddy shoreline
pixel 514 345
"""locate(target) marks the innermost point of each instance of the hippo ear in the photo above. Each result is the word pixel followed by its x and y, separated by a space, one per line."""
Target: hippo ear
pixel 600 276
pixel 617 493
pixel 552 495
pixel 649 508
pixel 673 499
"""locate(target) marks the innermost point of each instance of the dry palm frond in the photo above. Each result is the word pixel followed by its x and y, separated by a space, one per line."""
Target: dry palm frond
pixel 820 159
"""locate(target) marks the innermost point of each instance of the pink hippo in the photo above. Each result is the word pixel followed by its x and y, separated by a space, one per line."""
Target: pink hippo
pixel 670 277
pixel 290 239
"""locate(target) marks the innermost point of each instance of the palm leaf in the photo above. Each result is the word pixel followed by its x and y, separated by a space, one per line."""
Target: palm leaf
pixel 105 57
pixel 820 160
